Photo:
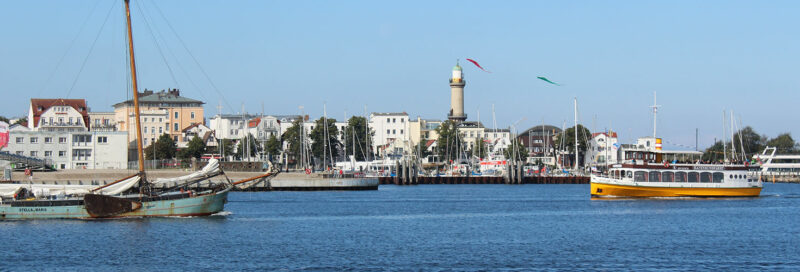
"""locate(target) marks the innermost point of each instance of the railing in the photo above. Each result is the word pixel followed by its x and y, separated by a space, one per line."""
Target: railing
pixel 25 162
pixel 161 164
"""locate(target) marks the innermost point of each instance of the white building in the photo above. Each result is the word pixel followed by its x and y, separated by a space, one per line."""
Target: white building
pixel 392 134
pixel 197 130
pixel 230 126
pixel 63 115
pixel 602 149
pixel 102 121
pixel 72 150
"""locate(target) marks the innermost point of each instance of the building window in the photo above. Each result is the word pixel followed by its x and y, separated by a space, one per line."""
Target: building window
pixel 62 154
pixel 176 139
pixel 192 115
pixel 102 139
pixel 394 131
pixel 176 115
pixel 34 140
pixel 145 129
pixel 388 132
pixel 388 121
pixel 48 154
pixel 20 153
pixel 70 120
pixel 402 120
pixel 394 120
pixel 34 153
pixel 48 140
pixel 160 130
pixel 176 125
pixel 20 140
pixel 401 131
pixel 62 140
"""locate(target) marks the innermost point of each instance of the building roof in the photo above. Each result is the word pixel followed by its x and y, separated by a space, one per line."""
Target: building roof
pixel 191 127
pixel 613 134
pixel 540 130
pixel 253 122
pixel 390 113
pixel 40 105
pixel 164 96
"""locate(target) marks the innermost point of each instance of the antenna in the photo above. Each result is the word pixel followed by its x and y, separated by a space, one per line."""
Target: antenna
pixel 655 107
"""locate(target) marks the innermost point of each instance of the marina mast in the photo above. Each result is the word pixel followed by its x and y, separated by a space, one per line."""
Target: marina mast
pixel 139 148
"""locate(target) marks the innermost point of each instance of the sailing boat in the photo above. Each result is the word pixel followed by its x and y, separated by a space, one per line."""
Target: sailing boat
pixel 107 201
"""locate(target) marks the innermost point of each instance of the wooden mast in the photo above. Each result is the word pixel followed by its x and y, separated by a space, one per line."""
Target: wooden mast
pixel 135 99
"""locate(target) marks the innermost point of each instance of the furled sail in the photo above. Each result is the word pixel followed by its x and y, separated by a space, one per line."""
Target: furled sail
pixel 210 170
pixel 43 190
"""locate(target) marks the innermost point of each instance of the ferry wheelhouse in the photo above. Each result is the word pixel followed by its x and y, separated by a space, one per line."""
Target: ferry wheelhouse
pixel 657 173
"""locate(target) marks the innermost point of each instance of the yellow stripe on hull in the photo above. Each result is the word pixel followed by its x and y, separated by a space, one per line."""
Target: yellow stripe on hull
pixel 601 189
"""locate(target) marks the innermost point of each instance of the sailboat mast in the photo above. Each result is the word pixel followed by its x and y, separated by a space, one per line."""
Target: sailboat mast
pixel 135 96
pixel 575 102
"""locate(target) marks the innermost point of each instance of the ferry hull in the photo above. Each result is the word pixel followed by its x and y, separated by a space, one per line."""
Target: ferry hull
pixel 604 190
pixel 201 205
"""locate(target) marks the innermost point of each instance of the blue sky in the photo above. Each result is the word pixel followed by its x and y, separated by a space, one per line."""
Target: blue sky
pixel 702 57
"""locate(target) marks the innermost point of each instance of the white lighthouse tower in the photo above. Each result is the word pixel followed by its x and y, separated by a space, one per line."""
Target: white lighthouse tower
pixel 457 83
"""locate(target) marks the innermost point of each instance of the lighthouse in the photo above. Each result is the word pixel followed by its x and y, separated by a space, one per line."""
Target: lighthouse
pixel 457 95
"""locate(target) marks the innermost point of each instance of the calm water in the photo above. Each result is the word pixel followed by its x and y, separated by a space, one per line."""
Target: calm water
pixel 430 227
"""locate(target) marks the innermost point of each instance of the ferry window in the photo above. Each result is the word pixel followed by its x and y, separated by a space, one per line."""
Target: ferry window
pixel 693 177
pixel 730 176
pixel 629 174
pixel 666 177
pixel 640 176
pixel 680 176
pixel 717 177
pixel 654 176
pixel 705 177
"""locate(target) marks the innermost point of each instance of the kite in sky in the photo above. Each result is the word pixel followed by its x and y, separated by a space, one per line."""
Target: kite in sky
pixel 548 81
pixel 479 66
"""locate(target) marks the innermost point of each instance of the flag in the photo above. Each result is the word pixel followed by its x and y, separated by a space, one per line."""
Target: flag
pixel 3 134
pixel 548 81
pixel 479 66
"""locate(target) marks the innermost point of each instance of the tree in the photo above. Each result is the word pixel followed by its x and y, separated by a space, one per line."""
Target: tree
pixel 357 131
pixel 450 142
pixel 293 139
pixel 165 148
pixel 23 120
pixel 322 147
pixel 3 119
pixel 713 153
pixel 480 145
pixel 567 138
pixel 195 149
pixel 516 151
pixel 783 142
pixel 241 148
pixel 272 146
pixel 422 148
pixel 752 142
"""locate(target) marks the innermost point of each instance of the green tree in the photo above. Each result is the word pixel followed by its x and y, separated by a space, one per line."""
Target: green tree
pixel 272 147
pixel 320 146
pixel 480 146
pixel 293 139
pixel 241 148
pixel 567 138
pixel 165 148
pixel 713 153
pixel 194 149
pixel 357 131
pixel 450 142
pixel 422 148
pixel 516 151
pixel 752 142
pixel 4 119
pixel 23 120
pixel 783 142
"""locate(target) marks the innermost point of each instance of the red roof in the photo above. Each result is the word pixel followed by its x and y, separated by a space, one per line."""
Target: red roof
pixel 613 134
pixel 190 127
pixel 39 106
pixel 253 122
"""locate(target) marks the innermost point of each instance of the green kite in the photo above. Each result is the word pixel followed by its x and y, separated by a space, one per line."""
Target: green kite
pixel 548 81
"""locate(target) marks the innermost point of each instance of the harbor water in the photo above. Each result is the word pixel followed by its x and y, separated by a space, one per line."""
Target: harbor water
pixel 430 227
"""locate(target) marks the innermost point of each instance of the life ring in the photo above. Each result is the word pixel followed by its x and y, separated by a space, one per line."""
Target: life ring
pixel 308 171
